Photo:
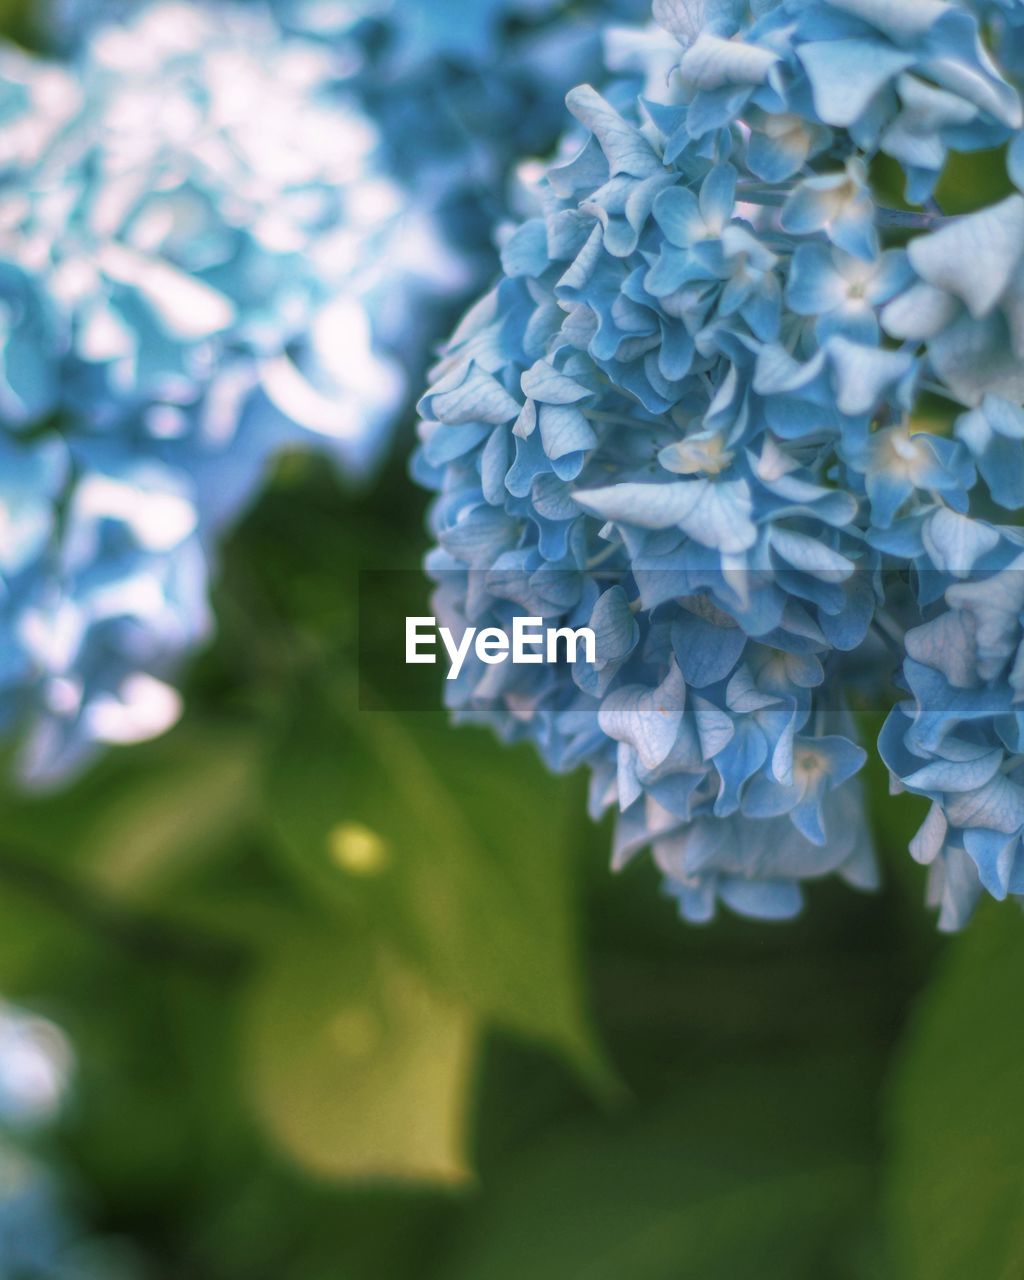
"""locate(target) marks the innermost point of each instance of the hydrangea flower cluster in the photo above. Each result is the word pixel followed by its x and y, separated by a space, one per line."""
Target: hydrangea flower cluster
pixel 459 91
pixel 39 1229
pixel 462 91
pixel 760 432
pixel 189 222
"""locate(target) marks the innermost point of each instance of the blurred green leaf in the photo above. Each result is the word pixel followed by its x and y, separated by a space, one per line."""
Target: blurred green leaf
pixel 453 846
pixel 17 19
pixel 171 818
pixel 972 180
pixel 124 861
pixel 969 180
pixel 761 1171
pixel 956 1181
pixel 356 1067
pixel 143 816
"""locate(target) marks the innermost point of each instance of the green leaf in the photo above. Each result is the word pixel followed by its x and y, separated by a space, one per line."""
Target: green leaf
pixel 143 818
pixel 973 180
pixel 955 1197
pixel 198 789
pixel 757 1172
pixel 358 1069
pixel 17 20
pixel 457 849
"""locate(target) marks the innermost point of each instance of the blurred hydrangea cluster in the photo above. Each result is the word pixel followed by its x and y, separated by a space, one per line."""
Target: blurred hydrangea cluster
pixel 763 433
pixel 459 89
pixel 40 1230
pixel 195 243
pixel 214 219
pixel 462 91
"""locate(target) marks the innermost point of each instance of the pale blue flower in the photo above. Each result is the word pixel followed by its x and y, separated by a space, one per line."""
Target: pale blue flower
pixel 844 292
pixel 459 93
pixel 197 252
pixel 994 433
pixel 839 204
pixel 968 305
pixel 693 412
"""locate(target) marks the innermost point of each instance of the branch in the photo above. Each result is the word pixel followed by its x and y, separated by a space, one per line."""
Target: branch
pixel 907 219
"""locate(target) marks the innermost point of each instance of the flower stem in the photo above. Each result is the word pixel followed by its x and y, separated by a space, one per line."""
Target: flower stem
pixel 908 219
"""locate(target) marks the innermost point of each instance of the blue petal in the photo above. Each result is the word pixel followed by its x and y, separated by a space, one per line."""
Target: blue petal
pixel 713 63
pixel 647 719
pixel 762 899
pixel 479 397
pixel 718 195
pixel 706 653
pixel 714 513
pixel 864 374
pixel 846 74
pixel 973 257
pixel 814 286
pixel 626 149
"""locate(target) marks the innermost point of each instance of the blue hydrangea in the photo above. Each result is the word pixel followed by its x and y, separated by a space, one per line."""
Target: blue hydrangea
pixel 462 91
pixel 754 427
pixel 459 91
pixel 40 1233
pixel 194 230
